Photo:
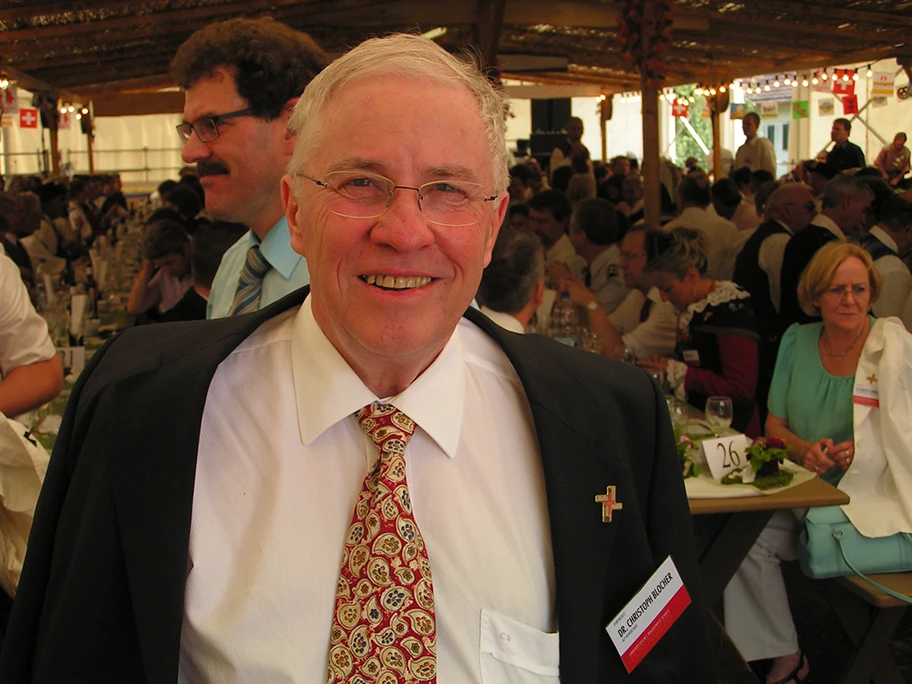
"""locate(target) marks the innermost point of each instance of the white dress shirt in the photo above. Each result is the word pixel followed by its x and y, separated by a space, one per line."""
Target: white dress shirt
pixel 769 258
pixel 607 279
pixel 656 335
pixel 504 320
pixel 23 333
pixel 563 250
pixel 722 235
pixel 281 462
pixel 757 154
pixel 897 283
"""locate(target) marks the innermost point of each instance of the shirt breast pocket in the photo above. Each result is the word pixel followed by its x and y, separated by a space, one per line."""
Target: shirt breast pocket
pixel 515 653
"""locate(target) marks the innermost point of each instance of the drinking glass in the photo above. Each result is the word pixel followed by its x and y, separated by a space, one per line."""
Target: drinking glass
pixel 677 410
pixel 719 412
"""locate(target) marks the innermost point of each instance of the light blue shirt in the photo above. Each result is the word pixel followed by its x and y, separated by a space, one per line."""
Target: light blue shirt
pixel 288 272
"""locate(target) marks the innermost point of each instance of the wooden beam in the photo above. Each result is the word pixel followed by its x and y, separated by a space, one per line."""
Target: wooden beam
pixel 74 79
pixel 47 9
pixel 719 22
pixel 134 104
pixel 487 29
pixel 102 56
pixel 141 83
pixel 807 11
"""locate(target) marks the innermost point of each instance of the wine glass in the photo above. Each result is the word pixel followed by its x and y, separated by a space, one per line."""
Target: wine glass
pixel 719 412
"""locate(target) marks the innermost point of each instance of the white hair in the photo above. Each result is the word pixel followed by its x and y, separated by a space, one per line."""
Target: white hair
pixel 400 55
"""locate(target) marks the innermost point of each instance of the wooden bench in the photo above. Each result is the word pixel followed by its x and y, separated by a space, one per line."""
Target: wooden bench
pixel 869 618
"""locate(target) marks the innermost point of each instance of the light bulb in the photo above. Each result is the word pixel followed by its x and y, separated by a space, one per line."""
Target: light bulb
pixel 721 88
pixel 824 75
pixel 869 73
pixel 855 75
pixel 804 82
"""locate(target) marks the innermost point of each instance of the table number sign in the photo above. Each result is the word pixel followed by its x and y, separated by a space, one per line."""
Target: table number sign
pixel 725 454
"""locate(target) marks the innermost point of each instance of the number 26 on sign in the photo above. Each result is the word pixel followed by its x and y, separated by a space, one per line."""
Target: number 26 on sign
pixel 725 454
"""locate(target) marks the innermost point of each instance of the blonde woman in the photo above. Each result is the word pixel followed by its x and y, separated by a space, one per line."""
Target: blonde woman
pixel 716 350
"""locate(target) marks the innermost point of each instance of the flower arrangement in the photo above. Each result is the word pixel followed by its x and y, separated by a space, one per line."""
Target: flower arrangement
pixel 646 41
pixel 762 470
pixel 688 450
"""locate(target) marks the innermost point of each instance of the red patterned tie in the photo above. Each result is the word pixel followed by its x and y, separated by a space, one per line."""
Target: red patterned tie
pixel 384 628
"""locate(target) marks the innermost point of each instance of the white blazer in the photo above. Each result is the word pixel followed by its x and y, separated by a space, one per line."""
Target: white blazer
pixel 880 477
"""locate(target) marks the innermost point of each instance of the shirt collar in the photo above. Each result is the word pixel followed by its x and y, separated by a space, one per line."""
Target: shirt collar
pixel 276 248
pixel 504 320
pixel 881 235
pixel 824 221
pixel 790 231
pixel 327 390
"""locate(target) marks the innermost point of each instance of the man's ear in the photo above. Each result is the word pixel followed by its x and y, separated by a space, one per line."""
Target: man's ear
pixel 291 205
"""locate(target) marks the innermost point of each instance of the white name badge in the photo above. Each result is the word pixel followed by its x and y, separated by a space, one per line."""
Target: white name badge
pixel 649 614
pixel 725 454
pixel 866 394
pixel 73 358
pixel 692 357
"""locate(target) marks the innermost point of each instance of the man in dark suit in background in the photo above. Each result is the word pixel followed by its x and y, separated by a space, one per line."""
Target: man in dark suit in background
pixel 846 201
pixel 540 484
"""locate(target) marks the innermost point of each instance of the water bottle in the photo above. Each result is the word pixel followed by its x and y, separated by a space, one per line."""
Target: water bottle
pixel 91 290
pixel 564 324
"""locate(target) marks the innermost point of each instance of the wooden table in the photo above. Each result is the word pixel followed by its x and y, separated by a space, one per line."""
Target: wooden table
pixel 726 530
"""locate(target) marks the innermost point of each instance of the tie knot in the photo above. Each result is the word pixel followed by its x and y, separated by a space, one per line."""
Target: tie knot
pixel 256 264
pixel 388 427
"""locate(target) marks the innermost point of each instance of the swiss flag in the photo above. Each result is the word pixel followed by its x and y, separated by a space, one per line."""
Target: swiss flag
pixel 679 108
pixel 63 123
pixel 28 118
pixel 841 87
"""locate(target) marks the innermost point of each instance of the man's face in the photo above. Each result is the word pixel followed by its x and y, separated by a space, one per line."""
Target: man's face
pixel 575 130
pixel 548 228
pixel 631 192
pixel 633 258
pixel 854 215
pixel 749 126
pixel 899 142
pixel 241 170
pixel 838 133
pixel 412 131
pixel 799 210
pixel 620 167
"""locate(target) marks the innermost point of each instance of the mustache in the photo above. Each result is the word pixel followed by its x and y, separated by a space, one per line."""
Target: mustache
pixel 211 167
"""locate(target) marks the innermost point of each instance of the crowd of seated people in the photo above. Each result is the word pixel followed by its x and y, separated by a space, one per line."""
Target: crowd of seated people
pixel 761 289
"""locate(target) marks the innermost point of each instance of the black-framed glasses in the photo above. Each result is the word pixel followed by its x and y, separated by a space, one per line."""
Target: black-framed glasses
pixel 206 127
pixel 365 195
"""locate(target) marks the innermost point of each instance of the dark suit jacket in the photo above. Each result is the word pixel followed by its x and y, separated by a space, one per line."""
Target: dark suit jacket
pixel 798 254
pixel 101 596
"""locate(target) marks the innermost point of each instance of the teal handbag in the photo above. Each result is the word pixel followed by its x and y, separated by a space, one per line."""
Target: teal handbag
pixel 831 546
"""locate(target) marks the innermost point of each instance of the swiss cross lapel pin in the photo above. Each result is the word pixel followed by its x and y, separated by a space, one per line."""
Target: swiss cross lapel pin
pixel 609 502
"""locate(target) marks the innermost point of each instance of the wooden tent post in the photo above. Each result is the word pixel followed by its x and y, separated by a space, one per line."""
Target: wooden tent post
pixel 55 153
pixel 652 200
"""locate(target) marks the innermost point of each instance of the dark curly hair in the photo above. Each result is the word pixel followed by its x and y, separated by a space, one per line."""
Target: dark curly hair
pixel 271 62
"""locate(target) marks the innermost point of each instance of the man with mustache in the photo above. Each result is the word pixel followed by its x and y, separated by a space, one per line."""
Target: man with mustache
pixel 241 79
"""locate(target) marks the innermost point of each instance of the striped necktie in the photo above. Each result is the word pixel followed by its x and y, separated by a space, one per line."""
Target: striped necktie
pixel 250 284
pixel 384 627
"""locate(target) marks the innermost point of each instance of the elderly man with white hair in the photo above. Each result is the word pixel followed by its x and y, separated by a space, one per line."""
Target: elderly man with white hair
pixel 366 481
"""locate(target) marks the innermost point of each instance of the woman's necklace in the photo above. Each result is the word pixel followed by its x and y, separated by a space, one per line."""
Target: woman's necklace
pixel 842 354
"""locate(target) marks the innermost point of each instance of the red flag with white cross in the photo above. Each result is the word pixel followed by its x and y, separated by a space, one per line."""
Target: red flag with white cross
pixel 28 117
